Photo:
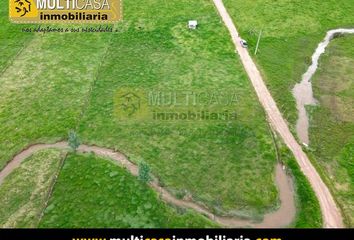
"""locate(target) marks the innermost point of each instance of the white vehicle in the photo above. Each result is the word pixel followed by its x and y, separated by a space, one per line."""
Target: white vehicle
pixel 244 43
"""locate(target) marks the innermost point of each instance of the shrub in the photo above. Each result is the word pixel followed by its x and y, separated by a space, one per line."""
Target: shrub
pixel 144 172
pixel 74 141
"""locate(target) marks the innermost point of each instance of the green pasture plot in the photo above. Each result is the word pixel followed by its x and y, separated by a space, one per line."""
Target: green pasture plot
pixel 44 90
pixel 96 193
pixel 228 165
pixel 24 192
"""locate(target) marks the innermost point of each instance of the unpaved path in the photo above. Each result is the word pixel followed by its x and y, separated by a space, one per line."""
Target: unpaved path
pixel 303 91
pixel 280 218
pixel 331 214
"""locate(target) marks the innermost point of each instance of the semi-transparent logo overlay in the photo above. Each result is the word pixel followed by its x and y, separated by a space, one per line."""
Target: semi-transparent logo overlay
pixel 137 104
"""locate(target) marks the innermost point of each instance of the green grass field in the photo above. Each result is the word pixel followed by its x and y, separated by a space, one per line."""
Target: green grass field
pixel 39 101
pixel 24 192
pixel 291 32
pixel 332 121
pixel 157 51
pixel 51 83
pixel 93 192
pixel 213 163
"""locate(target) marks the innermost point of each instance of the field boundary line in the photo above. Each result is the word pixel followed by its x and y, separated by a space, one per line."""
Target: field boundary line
pixel 92 85
pixel 51 188
pixel 11 60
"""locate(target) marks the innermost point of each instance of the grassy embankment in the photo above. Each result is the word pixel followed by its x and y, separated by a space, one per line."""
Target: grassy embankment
pixel 308 213
pixel 332 121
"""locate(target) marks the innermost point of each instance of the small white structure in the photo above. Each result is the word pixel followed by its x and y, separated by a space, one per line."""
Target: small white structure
pixel 192 24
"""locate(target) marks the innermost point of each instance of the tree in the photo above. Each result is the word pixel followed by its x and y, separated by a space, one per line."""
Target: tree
pixel 74 141
pixel 144 172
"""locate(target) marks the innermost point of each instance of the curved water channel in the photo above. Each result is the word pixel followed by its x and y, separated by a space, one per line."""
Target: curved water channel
pixel 282 217
pixel 303 91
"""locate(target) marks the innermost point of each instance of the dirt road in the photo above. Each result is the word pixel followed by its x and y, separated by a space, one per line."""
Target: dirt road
pixel 331 214
pixel 280 218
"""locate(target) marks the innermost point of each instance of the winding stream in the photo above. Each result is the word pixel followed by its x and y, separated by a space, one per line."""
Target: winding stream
pixel 303 91
pixel 282 217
